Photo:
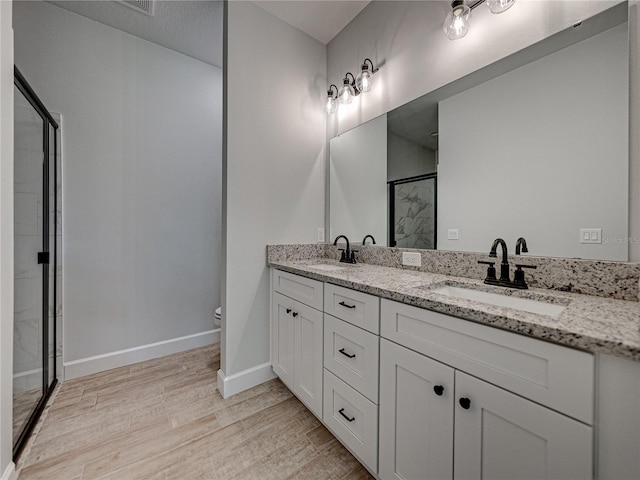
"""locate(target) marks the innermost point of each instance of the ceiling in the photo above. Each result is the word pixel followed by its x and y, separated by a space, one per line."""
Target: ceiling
pixel 320 19
pixel 195 27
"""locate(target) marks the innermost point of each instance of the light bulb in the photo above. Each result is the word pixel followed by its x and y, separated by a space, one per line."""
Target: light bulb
pixel 346 93
pixel 364 80
pixel 499 6
pixel 332 104
pixel 456 25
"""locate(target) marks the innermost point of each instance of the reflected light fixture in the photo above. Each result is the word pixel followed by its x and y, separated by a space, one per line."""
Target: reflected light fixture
pixel 456 23
pixel 364 80
pixel 347 92
pixel 332 100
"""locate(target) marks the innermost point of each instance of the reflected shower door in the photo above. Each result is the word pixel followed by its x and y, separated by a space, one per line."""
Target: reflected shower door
pixel 412 213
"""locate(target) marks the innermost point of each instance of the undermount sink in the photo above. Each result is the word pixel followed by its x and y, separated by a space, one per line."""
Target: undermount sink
pixel 499 300
pixel 327 267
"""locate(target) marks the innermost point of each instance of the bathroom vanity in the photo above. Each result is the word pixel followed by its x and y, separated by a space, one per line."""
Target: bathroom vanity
pixel 417 382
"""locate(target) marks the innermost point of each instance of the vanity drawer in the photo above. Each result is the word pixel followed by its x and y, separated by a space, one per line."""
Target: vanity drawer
pixel 352 418
pixel 352 353
pixel 558 377
pixel 357 308
pixel 302 289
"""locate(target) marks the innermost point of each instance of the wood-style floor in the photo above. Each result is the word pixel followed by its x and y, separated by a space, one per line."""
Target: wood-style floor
pixel 164 419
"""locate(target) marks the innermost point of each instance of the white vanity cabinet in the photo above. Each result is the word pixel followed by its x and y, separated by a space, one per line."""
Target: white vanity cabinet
pixel 416 394
pixel 296 336
pixel 438 421
pixel 351 357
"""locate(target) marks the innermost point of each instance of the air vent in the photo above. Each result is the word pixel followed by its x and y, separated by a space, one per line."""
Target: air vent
pixel 143 6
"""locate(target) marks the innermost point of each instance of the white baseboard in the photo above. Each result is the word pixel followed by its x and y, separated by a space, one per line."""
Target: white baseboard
pixel 239 382
pixel 121 358
pixel 10 472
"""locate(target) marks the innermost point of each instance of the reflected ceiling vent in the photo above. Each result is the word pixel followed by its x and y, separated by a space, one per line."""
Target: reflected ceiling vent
pixel 143 6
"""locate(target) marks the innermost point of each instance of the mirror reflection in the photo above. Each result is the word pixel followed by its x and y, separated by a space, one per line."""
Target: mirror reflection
pixel 533 146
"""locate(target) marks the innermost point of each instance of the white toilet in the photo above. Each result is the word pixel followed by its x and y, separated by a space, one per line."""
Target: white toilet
pixel 217 317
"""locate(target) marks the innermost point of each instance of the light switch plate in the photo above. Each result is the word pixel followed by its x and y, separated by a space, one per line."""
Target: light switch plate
pixel 411 259
pixel 320 235
pixel 452 234
pixel 590 235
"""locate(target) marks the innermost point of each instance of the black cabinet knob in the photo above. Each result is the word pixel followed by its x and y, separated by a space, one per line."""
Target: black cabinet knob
pixel 465 403
pixel 439 389
pixel 288 310
pixel 295 314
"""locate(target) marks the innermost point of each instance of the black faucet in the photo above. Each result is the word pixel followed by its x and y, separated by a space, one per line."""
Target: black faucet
pixel 505 281
pixel 373 240
pixel 504 266
pixel 347 255
pixel 521 242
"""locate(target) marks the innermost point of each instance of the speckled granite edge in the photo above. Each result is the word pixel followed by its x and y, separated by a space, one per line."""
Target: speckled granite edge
pixel 619 280
pixel 300 251
pixel 594 324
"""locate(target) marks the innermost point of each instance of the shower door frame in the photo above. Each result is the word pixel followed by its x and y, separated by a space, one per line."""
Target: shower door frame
pixel 45 257
pixel 391 231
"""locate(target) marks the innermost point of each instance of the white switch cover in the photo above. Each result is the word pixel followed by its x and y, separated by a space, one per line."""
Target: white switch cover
pixel 411 259
pixel 590 235
pixel 320 235
pixel 452 234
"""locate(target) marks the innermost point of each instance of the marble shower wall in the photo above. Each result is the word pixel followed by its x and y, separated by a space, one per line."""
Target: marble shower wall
pixel 28 349
pixel 619 280
pixel 415 214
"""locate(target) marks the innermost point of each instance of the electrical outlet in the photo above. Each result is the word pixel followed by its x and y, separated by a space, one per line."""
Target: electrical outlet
pixel 452 234
pixel 320 235
pixel 411 259
pixel 590 235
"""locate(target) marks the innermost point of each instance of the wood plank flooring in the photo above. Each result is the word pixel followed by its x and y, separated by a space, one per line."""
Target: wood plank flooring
pixel 164 419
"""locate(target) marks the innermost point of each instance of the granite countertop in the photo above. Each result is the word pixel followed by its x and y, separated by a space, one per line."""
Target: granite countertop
pixel 594 324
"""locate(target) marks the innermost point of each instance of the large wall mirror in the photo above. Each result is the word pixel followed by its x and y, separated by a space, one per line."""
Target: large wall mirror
pixel 535 146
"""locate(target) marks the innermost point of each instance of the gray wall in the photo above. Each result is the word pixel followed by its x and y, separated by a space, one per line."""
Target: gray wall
pixel 141 179
pixel 358 179
pixel 572 166
pixel 408 159
pixel 275 166
pixel 407 39
pixel 6 238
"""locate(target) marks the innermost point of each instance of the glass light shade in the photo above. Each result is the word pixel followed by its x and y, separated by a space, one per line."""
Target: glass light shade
pixel 332 104
pixel 499 6
pixel 456 25
pixel 364 80
pixel 346 94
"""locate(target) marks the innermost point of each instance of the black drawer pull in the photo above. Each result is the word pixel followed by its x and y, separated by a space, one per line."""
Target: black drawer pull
pixel 288 310
pixel 341 412
pixel 295 314
pixel 346 354
pixel 346 305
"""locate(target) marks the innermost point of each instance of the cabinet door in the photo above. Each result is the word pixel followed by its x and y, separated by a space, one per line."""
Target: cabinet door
pixel 282 338
pixel 416 423
pixel 308 365
pixel 503 436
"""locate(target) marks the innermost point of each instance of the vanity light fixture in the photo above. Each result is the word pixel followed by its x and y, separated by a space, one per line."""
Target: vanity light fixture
pixel 456 23
pixel 347 92
pixel 364 80
pixel 351 87
pixel 332 100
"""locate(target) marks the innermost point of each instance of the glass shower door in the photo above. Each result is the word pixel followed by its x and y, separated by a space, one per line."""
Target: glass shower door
pixel 34 259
